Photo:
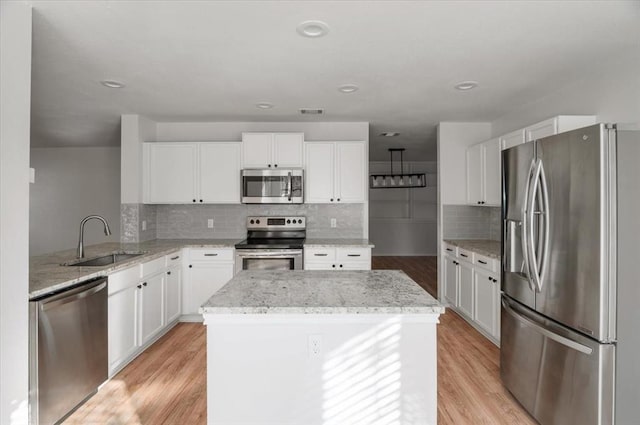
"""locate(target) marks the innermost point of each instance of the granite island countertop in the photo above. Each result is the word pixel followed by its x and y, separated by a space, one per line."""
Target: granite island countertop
pixel 46 274
pixel 487 247
pixel 322 292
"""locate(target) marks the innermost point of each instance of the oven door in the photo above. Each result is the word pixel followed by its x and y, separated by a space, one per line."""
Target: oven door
pixel 272 186
pixel 268 259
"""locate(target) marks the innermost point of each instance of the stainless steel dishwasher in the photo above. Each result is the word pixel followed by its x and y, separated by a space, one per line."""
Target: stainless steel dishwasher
pixel 68 349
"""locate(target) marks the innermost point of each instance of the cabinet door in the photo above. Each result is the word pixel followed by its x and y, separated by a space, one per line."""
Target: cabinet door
pixel 173 294
pixel 151 307
pixel 542 129
pixel 474 175
pixel 288 150
pixel 319 173
pixel 466 289
pixel 203 280
pixel 354 265
pixel 256 150
pixel 219 173
pixel 319 266
pixel 123 314
pixel 512 139
pixel 451 280
pixel 351 172
pixel 486 301
pixel 170 175
pixel 492 177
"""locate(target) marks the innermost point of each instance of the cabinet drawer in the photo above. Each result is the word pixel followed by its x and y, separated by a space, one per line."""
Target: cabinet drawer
pixel 465 255
pixel 450 249
pixel 211 254
pixel 124 279
pixel 319 254
pixel 353 254
pixel 174 259
pixel 485 262
pixel 153 266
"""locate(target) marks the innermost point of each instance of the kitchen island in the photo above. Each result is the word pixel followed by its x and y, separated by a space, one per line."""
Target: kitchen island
pixel 321 347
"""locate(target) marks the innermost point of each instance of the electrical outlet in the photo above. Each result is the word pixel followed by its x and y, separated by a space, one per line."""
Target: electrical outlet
pixel 144 225
pixel 334 223
pixel 210 223
pixel 315 345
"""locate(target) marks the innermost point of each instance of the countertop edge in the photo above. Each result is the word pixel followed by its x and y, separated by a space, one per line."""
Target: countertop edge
pixel 470 244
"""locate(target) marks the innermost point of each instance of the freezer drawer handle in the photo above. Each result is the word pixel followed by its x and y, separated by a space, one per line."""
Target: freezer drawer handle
pixel 560 339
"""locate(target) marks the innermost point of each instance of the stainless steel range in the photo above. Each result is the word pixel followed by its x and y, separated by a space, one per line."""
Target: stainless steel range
pixel 273 243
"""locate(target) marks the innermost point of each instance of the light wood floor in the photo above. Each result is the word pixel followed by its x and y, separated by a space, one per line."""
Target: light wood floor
pixel 424 270
pixel 167 383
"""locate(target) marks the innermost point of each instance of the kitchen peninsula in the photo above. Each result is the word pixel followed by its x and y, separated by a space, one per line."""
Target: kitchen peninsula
pixel 321 347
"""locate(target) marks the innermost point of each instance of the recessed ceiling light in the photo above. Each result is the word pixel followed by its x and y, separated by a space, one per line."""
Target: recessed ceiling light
pixel 112 84
pixel 264 105
pixel 311 111
pixel 466 85
pixel 312 29
pixel 389 134
pixel 348 88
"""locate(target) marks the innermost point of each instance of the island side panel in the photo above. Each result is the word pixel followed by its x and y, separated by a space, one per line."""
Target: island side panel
pixel 261 369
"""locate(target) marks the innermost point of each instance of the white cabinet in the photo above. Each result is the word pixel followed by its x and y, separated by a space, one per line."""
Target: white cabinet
pixel 151 307
pixel 335 172
pixel 173 288
pixel 451 280
pixel 123 318
pixel 487 301
pixel 548 127
pixel 484 173
pixel 466 288
pixel 207 271
pixel 272 150
pixel 219 173
pixel 512 139
pixel 187 173
pixel 170 173
pixel 337 258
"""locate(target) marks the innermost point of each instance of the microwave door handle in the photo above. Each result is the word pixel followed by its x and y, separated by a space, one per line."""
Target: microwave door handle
pixel 289 188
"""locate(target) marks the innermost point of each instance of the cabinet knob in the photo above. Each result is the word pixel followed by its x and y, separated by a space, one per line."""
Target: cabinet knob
pixel 338 199
pixel 340 265
pixel 276 165
pixel 139 286
pixel 190 266
pixel 144 283
pixel 200 200
pixel 269 165
pixel 168 272
pixel 333 265
pixel 194 200
pixel 331 199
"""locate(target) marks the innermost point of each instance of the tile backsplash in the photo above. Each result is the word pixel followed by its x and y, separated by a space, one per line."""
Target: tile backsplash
pixel 229 221
pixel 471 222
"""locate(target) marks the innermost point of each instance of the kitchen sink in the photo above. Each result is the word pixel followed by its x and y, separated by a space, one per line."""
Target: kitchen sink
pixel 105 260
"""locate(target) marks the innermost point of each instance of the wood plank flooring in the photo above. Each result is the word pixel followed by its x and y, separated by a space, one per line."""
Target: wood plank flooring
pixel 424 270
pixel 167 383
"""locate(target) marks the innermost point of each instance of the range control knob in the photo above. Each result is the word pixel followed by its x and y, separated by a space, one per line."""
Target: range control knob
pixel 300 221
pixel 257 221
pixel 288 221
pixel 251 222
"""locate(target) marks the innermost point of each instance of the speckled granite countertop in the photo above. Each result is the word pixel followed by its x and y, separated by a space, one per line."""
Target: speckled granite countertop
pixel 46 274
pixel 487 247
pixel 338 242
pixel 322 292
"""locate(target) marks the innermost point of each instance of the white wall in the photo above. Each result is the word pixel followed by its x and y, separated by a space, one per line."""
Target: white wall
pixel 612 94
pixel 72 183
pixel 404 221
pixel 15 117
pixel 134 131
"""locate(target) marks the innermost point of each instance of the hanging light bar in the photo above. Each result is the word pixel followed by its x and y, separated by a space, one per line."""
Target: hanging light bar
pixel 397 181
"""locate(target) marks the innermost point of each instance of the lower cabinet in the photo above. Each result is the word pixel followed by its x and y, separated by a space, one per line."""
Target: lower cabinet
pixel 337 258
pixel 140 308
pixel 471 286
pixel 206 272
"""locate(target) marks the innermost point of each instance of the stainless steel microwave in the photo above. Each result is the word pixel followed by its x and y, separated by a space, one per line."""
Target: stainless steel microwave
pixel 261 186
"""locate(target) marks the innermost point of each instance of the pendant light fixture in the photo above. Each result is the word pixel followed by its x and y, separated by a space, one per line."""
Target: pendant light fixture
pixel 397 181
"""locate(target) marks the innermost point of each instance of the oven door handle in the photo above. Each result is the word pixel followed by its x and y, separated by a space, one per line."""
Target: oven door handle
pixel 270 254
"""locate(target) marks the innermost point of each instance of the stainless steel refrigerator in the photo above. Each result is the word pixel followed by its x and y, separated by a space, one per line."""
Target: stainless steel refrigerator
pixel 570 331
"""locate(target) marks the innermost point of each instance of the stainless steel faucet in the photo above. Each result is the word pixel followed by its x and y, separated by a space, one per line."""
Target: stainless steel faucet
pixel 107 232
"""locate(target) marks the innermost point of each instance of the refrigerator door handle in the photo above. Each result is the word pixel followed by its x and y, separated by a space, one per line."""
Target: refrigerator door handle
pixel 546 217
pixel 525 226
pixel 551 335
pixel 529 217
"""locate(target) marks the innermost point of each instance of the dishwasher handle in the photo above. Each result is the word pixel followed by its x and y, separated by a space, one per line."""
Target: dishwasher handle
pixel 81 291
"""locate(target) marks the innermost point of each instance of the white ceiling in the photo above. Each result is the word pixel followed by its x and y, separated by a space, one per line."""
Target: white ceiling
pixel 213 61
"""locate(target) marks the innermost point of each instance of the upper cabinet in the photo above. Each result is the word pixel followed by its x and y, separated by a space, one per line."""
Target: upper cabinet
pixel 335 172
pixel 272 150
pixel 512 139
pixel 187 173
pixel 483 173
pixel 545 128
